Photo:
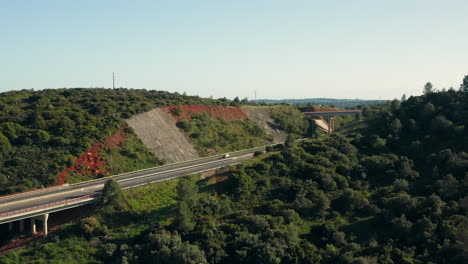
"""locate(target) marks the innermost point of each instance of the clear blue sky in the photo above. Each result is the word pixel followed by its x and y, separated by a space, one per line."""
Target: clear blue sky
pixel 282 49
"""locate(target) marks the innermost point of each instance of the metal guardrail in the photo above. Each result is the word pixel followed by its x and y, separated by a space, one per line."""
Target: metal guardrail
pixel 48 206
pixel 6 196
pixel 93 196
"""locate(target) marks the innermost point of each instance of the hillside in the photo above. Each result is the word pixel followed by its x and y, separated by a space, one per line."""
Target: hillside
pixel 158 131
pixel 262 116
pixel 335 199
pixel 56 128
pixel 184 132
pixel 80 134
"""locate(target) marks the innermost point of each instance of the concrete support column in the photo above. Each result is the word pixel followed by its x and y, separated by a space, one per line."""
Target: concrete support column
pixel 21 225
pixel 45 217
pixel 33 226
pixel 10 227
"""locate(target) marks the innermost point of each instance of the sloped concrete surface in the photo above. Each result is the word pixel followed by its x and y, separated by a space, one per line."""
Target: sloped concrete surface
pixel 262 117
pixel 158 131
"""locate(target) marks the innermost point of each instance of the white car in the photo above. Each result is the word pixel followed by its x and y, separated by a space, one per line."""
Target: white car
pixel 226 156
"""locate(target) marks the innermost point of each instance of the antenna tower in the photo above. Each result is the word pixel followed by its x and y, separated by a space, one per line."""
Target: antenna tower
pixel 113 81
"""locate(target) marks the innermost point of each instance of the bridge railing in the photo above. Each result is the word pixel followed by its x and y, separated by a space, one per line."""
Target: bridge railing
pixel 47 206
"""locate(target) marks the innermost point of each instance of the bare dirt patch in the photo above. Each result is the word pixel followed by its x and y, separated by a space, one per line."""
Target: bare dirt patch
pixel 226 113
pixel 90 163
pixel 56 221
pixel 207 174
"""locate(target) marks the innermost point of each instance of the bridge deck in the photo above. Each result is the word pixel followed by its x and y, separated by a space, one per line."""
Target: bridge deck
pixel 31 204
pixel 333 113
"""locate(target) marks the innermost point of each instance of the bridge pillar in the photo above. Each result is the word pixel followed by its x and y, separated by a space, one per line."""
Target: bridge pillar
pixel 33 226
pixel 45 217
pixel 10 227
pixel 331 124
pixel 21 223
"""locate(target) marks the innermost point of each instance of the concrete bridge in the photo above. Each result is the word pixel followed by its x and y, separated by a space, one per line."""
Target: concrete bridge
pixel 41 213
pixel 28 207
pixel 325 119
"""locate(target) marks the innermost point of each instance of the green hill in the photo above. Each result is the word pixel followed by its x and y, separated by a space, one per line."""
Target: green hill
pixel 55 136
pixel 43 132
pixel 394 192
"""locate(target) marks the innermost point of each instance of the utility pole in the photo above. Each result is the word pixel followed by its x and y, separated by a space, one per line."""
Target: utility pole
pixel 113 81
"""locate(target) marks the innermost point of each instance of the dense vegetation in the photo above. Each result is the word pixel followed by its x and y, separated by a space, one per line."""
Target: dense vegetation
pixel 291 120
pixel 54 127
pixel 212 135
pixel 321 201
pixel 113 226
pixel 397 192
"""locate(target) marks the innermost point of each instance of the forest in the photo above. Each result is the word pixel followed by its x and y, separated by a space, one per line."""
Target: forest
pixel 395 190
pixel 55 126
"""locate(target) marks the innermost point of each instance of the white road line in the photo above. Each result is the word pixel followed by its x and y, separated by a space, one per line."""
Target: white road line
pixel 101 185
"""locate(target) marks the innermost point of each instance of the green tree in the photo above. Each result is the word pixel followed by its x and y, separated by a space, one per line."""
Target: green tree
pixel 428 88
pixel 179 110
pixel 448 186
pixel 187 191
pixel 241 184
pixel 395 105
pixel 4 143
pixel 167 248
pixel 111 194
pixel 183 217
pixel 396 126
pixel 464 85
pixel 187 195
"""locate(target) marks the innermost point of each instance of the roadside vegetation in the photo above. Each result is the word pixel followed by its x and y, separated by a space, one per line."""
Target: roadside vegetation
pixel 43 132
pixel 121 218
pixel 212 135
pixel 291 120
pixel 321 200
pixel 131 155
pixel 395 191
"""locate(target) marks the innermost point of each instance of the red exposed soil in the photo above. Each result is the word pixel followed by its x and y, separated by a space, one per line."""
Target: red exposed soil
pixel 226 113
pixel 90 162
pixel 17 243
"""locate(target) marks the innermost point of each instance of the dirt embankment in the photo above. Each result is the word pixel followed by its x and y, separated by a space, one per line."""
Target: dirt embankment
pixel 90 163
pixel 321 124
pixel 262 116
pixel 226 113
pixel 158 131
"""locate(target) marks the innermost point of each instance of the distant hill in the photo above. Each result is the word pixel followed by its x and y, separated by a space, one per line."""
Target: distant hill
pixel 340 103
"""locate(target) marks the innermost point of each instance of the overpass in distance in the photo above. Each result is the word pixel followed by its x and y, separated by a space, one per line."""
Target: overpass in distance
pixel 37 205
pixel 333 113
pixel 325 119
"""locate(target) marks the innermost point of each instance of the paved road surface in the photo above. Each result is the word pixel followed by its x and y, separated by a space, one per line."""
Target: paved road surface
pixel 24 201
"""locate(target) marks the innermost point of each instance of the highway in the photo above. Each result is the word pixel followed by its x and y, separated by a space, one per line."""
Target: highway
pixel 12 207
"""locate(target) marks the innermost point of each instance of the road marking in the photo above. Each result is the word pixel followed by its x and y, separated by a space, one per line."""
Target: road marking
pixel 101 185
